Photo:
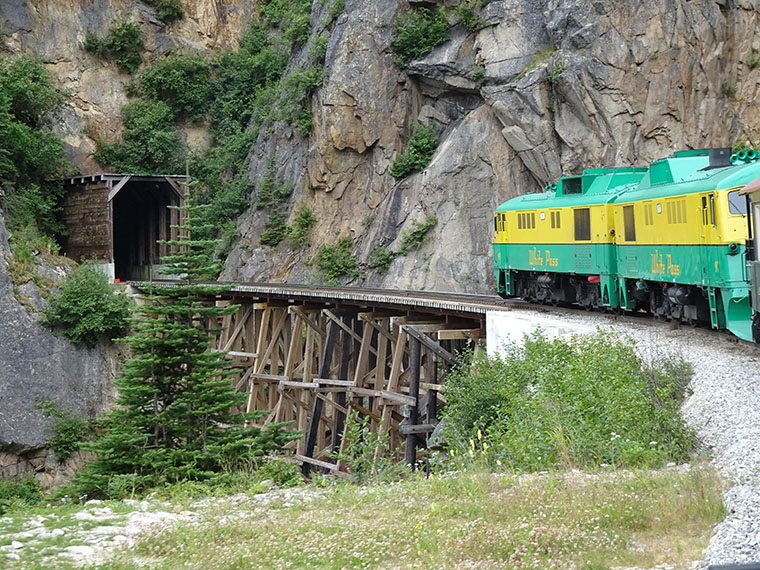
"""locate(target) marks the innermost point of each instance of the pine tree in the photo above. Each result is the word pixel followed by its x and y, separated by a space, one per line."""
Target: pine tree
pixel 176 418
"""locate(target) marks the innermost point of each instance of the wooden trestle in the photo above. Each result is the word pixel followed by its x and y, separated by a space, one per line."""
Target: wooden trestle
pixel 313 362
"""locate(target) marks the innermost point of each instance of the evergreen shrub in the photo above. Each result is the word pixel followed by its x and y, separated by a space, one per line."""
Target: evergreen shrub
pixel 336 9
pixel 150 143
pixel 274 230
pixel 420 150
pixel 335 260
pixel 88 306
pixel 178 415
pixel 382 258
pixel 124 43
pixel 182 81
pixel 466 13
pixel 167 10
pixel 31 155
pixel 411 239
pixel 304 219
pixel 417 33
pixel 69 430
pixel 579 403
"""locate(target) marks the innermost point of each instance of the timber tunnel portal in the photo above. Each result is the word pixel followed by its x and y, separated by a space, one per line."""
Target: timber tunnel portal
pixel 117 220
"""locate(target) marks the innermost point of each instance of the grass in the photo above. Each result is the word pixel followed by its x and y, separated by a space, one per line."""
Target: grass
pixel 465 520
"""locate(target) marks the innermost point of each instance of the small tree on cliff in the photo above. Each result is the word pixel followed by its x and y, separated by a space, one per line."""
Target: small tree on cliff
pixel 176 420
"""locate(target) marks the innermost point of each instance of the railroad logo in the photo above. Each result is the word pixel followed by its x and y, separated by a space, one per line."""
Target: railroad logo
pixel 535 258
pixel 664 267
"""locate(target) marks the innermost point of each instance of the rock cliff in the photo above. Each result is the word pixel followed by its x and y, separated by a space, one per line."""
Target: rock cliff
pixel 37 367
pixel 538 89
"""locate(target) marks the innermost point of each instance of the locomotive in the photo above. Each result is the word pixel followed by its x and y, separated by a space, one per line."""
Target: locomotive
pixel 670 239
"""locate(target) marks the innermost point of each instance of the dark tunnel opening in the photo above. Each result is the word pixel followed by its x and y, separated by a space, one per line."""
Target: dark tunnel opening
pixel 141 217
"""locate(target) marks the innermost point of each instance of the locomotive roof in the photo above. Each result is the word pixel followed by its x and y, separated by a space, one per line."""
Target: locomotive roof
pixel 685 172
pixel 594 186
pixel 690 179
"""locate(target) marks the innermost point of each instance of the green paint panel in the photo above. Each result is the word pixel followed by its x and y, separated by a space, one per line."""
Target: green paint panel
pixel 592 259
pixel 709 266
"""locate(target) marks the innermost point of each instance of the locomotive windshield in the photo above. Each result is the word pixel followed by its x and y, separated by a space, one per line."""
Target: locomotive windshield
pixel 737 205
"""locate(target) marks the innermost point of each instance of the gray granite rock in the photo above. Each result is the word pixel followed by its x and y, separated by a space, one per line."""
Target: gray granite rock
pixel 35 365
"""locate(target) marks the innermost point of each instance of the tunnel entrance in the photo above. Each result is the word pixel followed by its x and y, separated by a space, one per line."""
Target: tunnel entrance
pixel 118 219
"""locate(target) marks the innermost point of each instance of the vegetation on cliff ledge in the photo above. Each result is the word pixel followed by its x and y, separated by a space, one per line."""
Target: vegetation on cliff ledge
pixel 31 155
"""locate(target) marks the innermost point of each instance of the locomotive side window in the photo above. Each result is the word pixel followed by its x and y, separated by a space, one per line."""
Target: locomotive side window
pixel 704 210
pixel 572 185
pixel 737 205
pixel 712 209
pixel 629 222
pixel 582 224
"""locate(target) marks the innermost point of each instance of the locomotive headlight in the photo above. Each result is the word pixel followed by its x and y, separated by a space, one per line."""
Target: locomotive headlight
pixel 733 248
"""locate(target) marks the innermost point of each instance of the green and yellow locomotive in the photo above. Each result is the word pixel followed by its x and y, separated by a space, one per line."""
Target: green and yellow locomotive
pixel 668 239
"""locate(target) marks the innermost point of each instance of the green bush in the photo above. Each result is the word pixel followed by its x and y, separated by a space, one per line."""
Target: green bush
pixel 19 494
pixel 94 44
pixel 578 403
pixel 728 89
pixel 382 258
pixel 167 10
pixel 754 60
pixel 31 155
pixel 69 430
pixel 88 307
pixel 295 107
pixel 298 30
pixel 420 150
pixel 466 14
pixel 303 221
pixel 336 260
pixel 417 33
pixel 336 9
pixel 274 230
pixel 414 238
pixel 124 43
pixel 269 194
pixel 478 74
pixel 181 81
pixel 150 142
pixel 368 455
pixel 318 51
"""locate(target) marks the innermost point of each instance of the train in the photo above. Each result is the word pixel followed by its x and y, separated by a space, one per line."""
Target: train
pixel 672 239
